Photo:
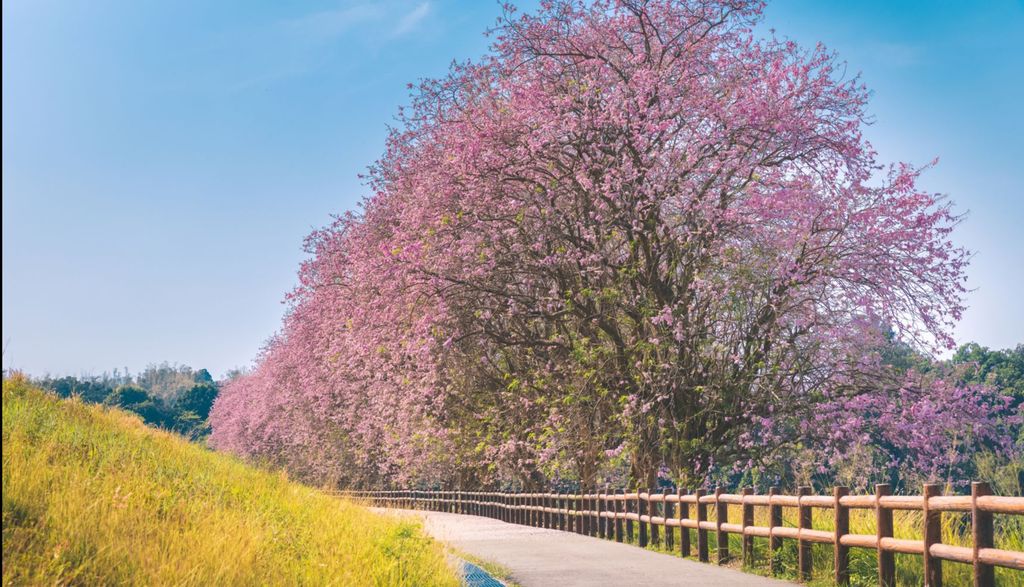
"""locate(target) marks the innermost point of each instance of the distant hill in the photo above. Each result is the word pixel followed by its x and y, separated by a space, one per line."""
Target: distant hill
pixel 92 496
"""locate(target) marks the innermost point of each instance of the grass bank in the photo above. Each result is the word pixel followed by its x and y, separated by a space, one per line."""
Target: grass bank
pixel 92 496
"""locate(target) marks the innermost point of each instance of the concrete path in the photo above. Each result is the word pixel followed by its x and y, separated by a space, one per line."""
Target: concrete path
pixel 538 557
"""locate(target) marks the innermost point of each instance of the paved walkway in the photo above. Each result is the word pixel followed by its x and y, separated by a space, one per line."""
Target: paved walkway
pixel 538 557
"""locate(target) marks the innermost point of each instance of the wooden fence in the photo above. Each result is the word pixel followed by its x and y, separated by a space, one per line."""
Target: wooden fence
pixel 612 515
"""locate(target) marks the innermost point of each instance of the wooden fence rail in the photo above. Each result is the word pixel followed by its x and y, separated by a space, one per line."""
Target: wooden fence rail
pixel 612 515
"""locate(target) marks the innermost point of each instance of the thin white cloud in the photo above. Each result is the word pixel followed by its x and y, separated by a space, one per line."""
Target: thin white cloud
pixel 332 23
pixel 411 20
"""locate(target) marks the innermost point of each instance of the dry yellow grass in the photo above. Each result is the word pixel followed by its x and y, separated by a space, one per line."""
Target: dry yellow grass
pixel 92 496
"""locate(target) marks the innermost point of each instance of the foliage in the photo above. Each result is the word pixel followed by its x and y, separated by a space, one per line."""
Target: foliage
pixel 926 428
pixel 93 497
pixel 634 231
pixel 1002 369
pixel 170 397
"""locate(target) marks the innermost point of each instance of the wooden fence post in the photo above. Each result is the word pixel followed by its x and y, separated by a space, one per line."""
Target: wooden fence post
pixel 721 517
pixel 643 508
pixel 545 515
pixel 595 509
pixel 553 502
pixel 982 530
pixel 577 507
pixel 702 534
pixel 774 521
pixel 620 508
pixel 883 521
pixel 684 533
pixel 932 535
pixel 804 560
pixel 558 521
pixel 601 522
pixel 553 514
pixel 563 511
pixel 840 554
pixel 654 510
pixel 583 515
pixel 628 508
pixel 556 516
pixel 748 520
pixel 668 514
pixel 585 511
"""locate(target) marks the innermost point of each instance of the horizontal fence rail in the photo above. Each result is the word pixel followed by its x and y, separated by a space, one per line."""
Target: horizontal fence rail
pixel 613 514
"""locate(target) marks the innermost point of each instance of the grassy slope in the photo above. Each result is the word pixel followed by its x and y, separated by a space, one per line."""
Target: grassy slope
pixel 92 496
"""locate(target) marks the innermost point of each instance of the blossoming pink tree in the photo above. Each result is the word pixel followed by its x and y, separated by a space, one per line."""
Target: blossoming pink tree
pixel 632 228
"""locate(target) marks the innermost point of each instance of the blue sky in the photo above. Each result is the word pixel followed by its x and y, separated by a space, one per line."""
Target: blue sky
pixel 162 162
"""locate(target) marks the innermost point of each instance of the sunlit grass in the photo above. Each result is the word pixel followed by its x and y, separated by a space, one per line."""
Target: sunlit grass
pixel 94 497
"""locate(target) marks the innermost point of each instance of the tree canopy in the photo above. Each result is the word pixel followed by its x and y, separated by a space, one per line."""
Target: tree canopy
pixel 634 236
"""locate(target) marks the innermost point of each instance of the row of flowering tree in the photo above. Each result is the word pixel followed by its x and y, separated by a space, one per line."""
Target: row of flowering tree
pixel 633 239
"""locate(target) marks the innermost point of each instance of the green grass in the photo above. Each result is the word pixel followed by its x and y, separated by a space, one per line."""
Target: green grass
pixel 91 496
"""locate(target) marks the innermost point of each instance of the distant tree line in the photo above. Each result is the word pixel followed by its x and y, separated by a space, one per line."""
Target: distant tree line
pixel 172 397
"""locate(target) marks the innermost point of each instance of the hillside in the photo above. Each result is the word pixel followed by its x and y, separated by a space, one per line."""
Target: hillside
pixel 93 496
